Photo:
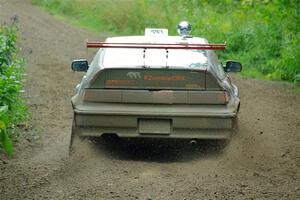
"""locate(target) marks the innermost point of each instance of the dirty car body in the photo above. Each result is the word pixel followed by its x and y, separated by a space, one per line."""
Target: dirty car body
pixel 155 93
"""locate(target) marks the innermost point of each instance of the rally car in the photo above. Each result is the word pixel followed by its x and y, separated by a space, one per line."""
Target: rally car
pixel 155 86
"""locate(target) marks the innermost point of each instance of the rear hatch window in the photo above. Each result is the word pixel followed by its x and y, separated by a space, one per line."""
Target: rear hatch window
pixel 154 79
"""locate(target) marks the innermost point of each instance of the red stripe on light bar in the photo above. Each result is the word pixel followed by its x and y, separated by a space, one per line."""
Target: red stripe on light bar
pixel 156 46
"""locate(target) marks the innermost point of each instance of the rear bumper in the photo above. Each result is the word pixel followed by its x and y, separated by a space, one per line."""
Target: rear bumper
pixel 124 132
pixel 190 122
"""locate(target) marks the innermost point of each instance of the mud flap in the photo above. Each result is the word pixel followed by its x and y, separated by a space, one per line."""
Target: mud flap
pixel 73 138
pixel 235 125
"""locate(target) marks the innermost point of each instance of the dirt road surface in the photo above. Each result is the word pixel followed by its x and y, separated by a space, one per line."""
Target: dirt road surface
pixel 261 161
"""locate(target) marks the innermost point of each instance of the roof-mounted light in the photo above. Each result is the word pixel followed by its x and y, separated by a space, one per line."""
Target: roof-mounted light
pixel 184 29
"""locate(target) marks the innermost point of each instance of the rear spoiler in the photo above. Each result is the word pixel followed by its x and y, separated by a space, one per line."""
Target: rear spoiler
pixel 156 46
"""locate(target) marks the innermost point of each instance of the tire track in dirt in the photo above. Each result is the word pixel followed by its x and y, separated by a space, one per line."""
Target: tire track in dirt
pixel 261 162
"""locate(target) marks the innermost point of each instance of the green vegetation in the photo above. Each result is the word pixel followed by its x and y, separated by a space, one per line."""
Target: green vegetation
pixel 262 34
pixel 12 107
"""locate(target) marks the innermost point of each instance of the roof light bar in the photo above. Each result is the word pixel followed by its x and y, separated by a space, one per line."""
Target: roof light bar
pixel 156 46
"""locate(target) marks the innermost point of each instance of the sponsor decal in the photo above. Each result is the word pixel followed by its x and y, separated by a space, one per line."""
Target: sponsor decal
pixel 164 78
pixel 119 82
pixel 134 75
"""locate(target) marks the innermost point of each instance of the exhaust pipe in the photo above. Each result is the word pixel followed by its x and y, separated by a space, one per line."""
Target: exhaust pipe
pixel 193 142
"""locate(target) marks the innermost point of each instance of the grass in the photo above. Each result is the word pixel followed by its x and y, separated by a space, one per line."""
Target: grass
pixel 263 35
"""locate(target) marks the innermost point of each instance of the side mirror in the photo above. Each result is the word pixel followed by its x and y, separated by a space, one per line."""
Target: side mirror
pixel 233 66
pixel 80 65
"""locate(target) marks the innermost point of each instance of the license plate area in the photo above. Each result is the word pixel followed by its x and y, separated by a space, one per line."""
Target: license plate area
pixel 155 126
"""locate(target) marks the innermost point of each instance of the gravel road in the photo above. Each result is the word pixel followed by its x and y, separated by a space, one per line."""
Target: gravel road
pixel 261 162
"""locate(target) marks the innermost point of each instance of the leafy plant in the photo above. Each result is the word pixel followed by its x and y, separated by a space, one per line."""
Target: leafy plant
pixel 5 141
pixel 12 107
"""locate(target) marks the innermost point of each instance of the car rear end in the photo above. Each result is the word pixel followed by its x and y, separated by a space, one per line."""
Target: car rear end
pixel 156 103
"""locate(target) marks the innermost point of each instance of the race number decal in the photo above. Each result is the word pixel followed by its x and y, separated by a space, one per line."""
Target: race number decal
pixel 156 32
